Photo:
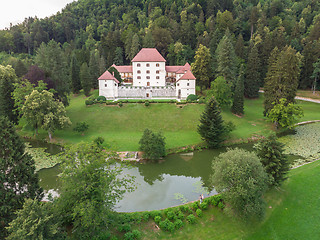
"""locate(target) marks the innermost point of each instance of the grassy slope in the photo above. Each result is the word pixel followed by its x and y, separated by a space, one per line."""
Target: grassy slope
pixel 293 214
pixel 123 127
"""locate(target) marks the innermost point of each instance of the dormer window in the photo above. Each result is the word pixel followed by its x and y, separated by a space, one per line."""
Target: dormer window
pixel 157 65
pixel 148 65
pixel 148 71
pixel 138 65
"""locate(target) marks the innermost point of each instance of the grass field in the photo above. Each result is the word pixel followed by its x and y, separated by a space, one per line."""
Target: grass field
pixel 122 127
pixel 292 213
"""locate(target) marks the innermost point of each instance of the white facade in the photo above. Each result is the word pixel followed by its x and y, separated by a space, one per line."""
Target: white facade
pixel 108 88
pixel 185 87
pixel 149 74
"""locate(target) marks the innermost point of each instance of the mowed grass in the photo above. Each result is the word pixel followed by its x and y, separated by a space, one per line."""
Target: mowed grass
pixel 292 213
pixel 122 127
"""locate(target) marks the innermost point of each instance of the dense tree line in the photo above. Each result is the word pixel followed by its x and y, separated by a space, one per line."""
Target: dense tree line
pixel 104 32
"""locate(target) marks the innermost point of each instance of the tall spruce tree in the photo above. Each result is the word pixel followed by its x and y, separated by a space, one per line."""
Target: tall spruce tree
pixel 94 68
pixel 7 80
pixel 253 76
pixel 282 77
pixel 271 154
pixel 17 174
pixel 238 97
pixel 226 58
pixel 75 74
pixel 211 127
pixel 239 47
pixel 85 78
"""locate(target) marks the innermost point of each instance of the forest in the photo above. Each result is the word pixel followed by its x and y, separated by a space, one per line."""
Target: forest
pixel 98 33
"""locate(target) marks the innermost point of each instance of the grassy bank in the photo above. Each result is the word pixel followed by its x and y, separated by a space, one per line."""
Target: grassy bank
pixel 122 127
pixel 291 214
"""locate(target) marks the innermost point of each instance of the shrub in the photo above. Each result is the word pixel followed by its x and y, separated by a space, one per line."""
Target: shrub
pixel 145 216
pixel 180 215
pixel 124 227
pixel 99 141
pixel 221 205
pixel 147 103
pixel 81 127
pixel 192 97
pixel 101 99
pixel 195 205
pixel 178 224
pixel 170 227
pixel 204 206
pixel 171 215
pixel 88 102
pixel 164 224
pixel 191 219
pixel 120 104
pixel 215 200
pixel 199 212
pixel 157 219
pixel 155 213
pixel 135 234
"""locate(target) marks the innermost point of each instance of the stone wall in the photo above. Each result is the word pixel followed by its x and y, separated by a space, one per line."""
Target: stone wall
pixel 144 92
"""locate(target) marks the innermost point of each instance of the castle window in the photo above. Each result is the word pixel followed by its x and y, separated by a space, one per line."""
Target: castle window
pixel 178 84
pixel 138 65
pixel 115 84
pixel 138 71
pixel 157 77
pixel 148 65
pixel 148 77
pixel 139 77
pixel 148 71
pixel 157 65
pixel 157 72
pixel 106 85
pixel 187 84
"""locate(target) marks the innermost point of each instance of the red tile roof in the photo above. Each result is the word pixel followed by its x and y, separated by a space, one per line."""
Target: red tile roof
pixel 188 76
pixel 178 69
pixel 108 76
pixel 172 68
pixel 123 69
pixel 148 55
pixel 187 67
pixel 181 70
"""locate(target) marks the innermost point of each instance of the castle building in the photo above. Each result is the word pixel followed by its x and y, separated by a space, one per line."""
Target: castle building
pixel 148 78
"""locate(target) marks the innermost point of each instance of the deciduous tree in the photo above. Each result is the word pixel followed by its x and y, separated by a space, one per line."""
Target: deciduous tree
pixel 152 145
pixel 241 179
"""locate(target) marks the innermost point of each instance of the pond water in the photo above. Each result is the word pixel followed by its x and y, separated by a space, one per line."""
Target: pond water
pixel 157 184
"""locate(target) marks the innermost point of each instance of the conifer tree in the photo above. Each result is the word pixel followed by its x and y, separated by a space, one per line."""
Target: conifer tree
pixel 94 68
pixel 239 47
pixel 226 58
pixel 118 57
pixel 75 74
pixel 211 127
pixel 282 77
pixel 238 98
pixel 253 77
pixel 17 174
pixel 135 46
pixel 85 79
pixel 7 80
pixel 201 67
pixel 271 153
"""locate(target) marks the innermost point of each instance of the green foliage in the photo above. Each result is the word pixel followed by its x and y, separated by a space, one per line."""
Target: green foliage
pixel 271 153
pixel 120 104
pixel 101 99
pixel 81 127
pixel 85 79
pixel 90 188
pixel 152 145
pixel 191 219
pixel 134 235
pixel 157 219
pixel 75 74
pixel 17 170
pixel 201 67
pixel 99 141
pixel 36 220
pixel 195 205
pixel 192 97
pixel 178 224
pixel 211 127
pixel 282 77
pixel 253 75
pixel 241 179
pixel 284 114
pixel 221 205
pixel 221 91
pixel 238 97
pixel 126 227
pixel 199 212
pixel 7 80
pixel 167 225
pixel 216 199
pixel 89 102
pixel 41 110
pixel 171 215
pixel 146 103
pixel 204 206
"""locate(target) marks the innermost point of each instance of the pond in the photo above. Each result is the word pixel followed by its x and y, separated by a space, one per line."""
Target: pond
pixel 158 185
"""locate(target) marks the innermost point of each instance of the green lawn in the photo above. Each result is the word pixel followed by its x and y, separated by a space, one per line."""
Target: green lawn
pixel 292 213
pixel 122 127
